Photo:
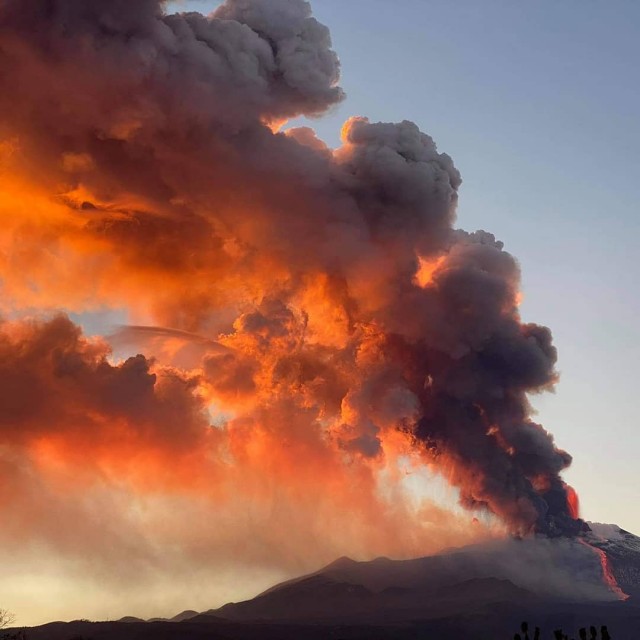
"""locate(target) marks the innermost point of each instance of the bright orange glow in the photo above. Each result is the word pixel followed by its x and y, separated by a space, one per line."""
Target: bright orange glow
pixel 573 502
pixel 276 125
pixel 347 126
pixel 427 269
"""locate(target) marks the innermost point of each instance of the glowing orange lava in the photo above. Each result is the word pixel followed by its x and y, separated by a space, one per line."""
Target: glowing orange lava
pixel 607 572
pixel 573 502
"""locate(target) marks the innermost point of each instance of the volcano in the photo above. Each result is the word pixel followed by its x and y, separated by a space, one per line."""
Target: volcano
pixel 477 591
pixel 600 567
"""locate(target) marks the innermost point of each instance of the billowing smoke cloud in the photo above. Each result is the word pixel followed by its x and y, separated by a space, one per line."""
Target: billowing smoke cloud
pixel 114 473
pixel 340 320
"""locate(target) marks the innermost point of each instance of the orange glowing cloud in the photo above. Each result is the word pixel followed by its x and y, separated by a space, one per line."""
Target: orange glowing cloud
pixel 427 269
pixel 312 324
pixel 145 430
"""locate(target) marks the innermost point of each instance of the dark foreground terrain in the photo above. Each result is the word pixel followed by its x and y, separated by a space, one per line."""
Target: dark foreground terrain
pixel 498 622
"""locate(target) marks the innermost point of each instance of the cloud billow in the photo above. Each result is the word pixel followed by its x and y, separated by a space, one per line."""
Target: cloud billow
pixel 342 323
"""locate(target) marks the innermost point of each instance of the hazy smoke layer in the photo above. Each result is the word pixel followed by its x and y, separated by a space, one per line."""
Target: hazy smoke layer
pixel 340 321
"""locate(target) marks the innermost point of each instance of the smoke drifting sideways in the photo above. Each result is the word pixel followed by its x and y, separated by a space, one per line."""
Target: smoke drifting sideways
pixel 341 321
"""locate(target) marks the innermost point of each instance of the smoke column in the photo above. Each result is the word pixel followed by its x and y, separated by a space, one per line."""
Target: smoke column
pixel 308 314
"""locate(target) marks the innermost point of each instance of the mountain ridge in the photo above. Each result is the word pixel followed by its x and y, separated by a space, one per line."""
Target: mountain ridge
pixel 477 592
pixel 537 569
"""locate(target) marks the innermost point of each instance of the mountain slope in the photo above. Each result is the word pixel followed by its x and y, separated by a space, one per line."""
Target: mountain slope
pixel 480 592
pixel 460 581
pixel 623 551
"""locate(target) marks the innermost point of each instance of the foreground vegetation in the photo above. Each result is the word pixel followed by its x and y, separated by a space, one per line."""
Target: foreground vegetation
pixel 559 634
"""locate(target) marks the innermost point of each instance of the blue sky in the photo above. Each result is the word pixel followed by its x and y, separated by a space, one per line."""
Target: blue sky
pixel 538 105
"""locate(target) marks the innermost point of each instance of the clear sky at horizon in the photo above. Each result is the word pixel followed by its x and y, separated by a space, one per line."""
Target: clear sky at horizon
pixel 537 103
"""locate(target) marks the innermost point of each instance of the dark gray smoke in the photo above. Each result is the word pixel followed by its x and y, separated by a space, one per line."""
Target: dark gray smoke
pixel 336 279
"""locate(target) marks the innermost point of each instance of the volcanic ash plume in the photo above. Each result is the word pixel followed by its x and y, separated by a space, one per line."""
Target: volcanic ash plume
pixel 318 316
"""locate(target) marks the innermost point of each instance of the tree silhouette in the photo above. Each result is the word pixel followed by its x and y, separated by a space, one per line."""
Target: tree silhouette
pixel 559 634
pixel 6 618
